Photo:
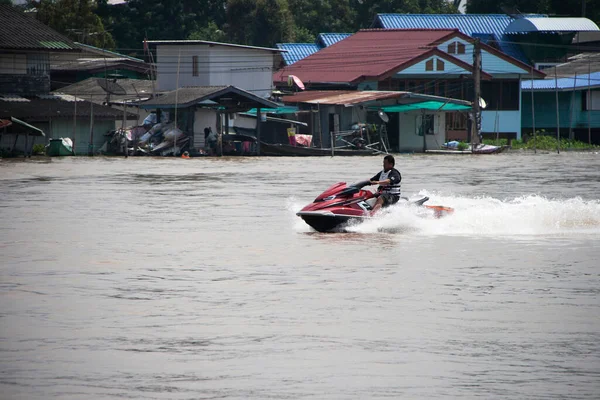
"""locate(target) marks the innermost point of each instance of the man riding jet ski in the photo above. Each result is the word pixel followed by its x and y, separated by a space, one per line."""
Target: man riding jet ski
pixel 341 204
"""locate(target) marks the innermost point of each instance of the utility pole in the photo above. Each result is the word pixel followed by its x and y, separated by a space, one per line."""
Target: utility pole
pixel 475 126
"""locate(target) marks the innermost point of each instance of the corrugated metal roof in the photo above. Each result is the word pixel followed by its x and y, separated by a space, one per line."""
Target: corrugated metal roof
pixel 187 96
pixel 353 97
pixel 565 84
pixel 206 42
pixel 469 24
pixel 327 39
pixel 341 97
pixel 537 24
pixel 98 50
pixel 367 53
pixel 297 51
pixel 20 31
pixel 39 108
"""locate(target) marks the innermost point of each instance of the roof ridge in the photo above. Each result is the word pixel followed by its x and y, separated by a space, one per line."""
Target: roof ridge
pixel 409 30
pixel 461 15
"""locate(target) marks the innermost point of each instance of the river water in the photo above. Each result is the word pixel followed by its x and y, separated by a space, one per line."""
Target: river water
pixel 193 279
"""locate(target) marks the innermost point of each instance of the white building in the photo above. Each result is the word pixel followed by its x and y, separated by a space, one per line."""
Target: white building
pixel 187 63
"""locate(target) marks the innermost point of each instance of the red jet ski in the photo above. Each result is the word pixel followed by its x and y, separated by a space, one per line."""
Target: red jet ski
pixel 342 203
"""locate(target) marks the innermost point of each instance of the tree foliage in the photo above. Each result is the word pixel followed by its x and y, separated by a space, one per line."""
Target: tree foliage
pixel 254 22
pixel 76 19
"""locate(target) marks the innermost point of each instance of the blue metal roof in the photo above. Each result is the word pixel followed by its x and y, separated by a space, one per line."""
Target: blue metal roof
pixel 297 51
pixel 567 84
pixel 470 24
pixel 327 39
pixel 537 24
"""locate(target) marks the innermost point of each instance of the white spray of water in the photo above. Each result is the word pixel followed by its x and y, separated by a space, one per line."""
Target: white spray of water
pixel 484 216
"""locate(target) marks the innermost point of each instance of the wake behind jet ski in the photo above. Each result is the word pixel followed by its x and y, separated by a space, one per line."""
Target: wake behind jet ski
pixel 342 204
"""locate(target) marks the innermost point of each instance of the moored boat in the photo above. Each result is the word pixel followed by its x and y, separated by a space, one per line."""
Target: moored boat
pixel 59 147
pixel 267 149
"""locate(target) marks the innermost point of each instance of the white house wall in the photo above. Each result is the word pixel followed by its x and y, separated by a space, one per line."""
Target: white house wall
pixel 410 140
pixel 248 69
pixel 419 68
pixel 171 56
pixel 490 63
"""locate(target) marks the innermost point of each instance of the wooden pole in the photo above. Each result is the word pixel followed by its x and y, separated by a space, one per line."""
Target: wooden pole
pixel 557 116
pixel 123 128
pixel 332 142
pixel 422 131
pixel 589 103
pixel 258 125
pixel 91 146
pixel 74 121
pixel 176 98
pixel 572 109
pixel 320 127
pixel 477 85
pixel 533 115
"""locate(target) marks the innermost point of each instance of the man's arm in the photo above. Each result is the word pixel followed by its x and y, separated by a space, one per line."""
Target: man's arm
pixel 374 180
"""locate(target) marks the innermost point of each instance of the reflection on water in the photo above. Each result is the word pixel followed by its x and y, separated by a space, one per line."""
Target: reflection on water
pixel 185 279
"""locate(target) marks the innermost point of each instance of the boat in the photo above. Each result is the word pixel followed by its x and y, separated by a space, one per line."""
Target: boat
pixel 60 147
pixel 267 149
pixel 343 204
pixel 452 148
pixel 487 149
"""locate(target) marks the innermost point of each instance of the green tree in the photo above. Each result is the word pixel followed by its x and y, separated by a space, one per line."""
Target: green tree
pixel 211 32
pixel 318 16
pixel 162 19
pixel 259 22
pixel 75 19
pixel 367 9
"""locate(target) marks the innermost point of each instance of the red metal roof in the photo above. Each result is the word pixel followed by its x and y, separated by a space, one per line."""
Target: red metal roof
pixel 369 53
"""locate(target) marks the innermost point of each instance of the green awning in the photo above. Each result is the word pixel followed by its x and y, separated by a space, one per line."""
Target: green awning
pixel 278 110
pixel 426 105
pixel 32 129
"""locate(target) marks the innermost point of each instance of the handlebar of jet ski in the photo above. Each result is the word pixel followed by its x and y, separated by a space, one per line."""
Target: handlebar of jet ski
pixel 361 184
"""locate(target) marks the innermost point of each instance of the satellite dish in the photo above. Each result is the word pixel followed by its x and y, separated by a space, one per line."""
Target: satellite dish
pixel 111 87
pixel 482 103
pixel 384 117
pixel 293 79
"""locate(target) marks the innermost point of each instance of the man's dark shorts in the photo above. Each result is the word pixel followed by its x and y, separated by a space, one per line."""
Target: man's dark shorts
pixel 389 199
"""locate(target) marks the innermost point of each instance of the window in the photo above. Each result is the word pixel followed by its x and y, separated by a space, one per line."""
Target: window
pixel 460 48
pixel 429 65
pixel 194 65
pixel 13 64
pixel 426 123
pixel 591 101
pixel 452 48
pixel 501 94
pixel 456 121
pixel 440 65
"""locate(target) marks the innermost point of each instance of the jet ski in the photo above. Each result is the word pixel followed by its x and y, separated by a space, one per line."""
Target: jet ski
pixel 342 204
